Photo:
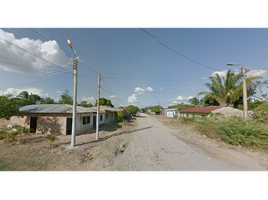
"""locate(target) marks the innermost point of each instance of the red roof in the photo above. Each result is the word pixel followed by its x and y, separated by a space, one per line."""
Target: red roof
pixel 200 109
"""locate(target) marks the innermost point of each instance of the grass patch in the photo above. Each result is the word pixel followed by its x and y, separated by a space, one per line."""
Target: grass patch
pixel 235 130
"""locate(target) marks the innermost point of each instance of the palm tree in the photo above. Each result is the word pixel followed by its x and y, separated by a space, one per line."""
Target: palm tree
pixel 228 90
pixel 24 96
pixel 195 101
pixel 51 138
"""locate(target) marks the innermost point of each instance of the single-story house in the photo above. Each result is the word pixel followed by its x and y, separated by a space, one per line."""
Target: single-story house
pixel 109 113
pixel 204 111
pixel 170 112
pixel 53 119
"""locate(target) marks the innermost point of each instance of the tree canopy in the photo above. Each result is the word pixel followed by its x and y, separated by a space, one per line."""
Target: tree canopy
pixel 66 98
pixel 8 107
pixel 227 90
pixel 132 109
pixel 104 102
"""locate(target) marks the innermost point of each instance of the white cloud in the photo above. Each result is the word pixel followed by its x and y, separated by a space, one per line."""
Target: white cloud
pixel 161 89
pixel 27 63
pixel 16 91
pixel 149 89
pixel 141 90
pixel 89 99
pixel 181 98
pixel 257 73
pixel 220 73
pixel 113 96
pixel 204 78
pixel 58 91
pixel 133 98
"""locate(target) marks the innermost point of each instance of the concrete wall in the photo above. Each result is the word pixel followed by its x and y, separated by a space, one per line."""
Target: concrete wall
pixel 52 123
pixel 110 117
pixel 193 115
pixel 228 112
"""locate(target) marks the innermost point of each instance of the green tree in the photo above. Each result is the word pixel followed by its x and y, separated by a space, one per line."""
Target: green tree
pixel 156 109
pixel 260 90
pixel 120 115
pixel 132 109
pixel 8 107
pixel 228 90
pixel 85 104
pixel 66 98
pixel 196 102
pixel 261 112
pixel 181 106
pixel 47 100
pixel 104 102
pixel 27 99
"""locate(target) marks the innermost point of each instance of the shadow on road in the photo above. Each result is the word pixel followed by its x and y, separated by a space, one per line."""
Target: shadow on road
pixel 115 134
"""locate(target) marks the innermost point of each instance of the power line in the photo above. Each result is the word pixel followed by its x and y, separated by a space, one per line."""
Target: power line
pixel 69 54
pixel 186 57
pixel 148 33
pixel 134 79
pixel 58 56
pixel 34 82
pixel 178 52
pixel 112 94
pixel 33 54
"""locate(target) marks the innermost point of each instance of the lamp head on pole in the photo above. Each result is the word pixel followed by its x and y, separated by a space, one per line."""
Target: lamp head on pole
pixel 70 44
pixel 230 64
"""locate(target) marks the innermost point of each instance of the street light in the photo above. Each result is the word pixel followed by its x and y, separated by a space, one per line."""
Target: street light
pixel 75 96
pixel 245 102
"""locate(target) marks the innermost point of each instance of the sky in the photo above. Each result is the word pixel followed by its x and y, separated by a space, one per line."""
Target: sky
pixel 138 66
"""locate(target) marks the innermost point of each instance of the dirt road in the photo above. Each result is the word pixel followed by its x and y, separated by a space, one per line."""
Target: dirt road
pixel 154 147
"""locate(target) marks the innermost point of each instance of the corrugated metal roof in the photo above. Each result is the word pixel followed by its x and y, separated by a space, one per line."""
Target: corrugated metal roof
pixel 54 108
pixel 200 109
pixel 106 108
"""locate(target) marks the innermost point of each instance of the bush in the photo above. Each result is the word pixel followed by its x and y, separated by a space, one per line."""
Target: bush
pixel 120 115
pixel 249 133
pixel 187 120
pixel 261 112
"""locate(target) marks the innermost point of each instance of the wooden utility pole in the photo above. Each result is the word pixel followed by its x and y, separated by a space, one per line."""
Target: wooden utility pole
pixel 98 110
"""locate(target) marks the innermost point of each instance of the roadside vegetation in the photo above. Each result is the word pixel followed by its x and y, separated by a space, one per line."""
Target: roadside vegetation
pixel 235 130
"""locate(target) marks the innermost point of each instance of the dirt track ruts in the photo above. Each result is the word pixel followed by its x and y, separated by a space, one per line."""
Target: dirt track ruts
pixel 154 148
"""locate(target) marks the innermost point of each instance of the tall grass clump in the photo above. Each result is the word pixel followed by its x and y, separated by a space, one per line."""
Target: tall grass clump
pixel 251 132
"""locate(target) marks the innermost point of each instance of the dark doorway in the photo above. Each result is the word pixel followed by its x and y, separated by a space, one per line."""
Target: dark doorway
pixel 94 122
pixel 33 124
pixel 69 126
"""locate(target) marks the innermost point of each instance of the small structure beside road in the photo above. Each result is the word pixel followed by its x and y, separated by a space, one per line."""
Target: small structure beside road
pixel 205 111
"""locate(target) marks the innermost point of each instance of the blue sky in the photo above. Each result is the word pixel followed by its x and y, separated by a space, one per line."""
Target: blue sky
pixel 135 67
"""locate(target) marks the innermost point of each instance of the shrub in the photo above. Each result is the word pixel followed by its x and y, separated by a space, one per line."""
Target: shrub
pixel 261 112
pixel 187 119
pixel 120 115
pixel 249 133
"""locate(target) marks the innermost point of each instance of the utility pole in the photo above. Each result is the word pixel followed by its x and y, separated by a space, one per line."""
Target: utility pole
pixel 245 102
pixel 74 103
pixel 245 98
pixel 75 96
pixel 98 109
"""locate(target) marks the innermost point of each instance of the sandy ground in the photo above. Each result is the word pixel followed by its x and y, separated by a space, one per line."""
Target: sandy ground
pixel 146 143
pixel 155 147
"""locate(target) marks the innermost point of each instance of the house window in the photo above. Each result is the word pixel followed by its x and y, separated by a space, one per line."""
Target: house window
pixel 100 117
pixel 187 115
pixel 203 116
pixel 106 116
pixel 193 115
pixel 86 120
